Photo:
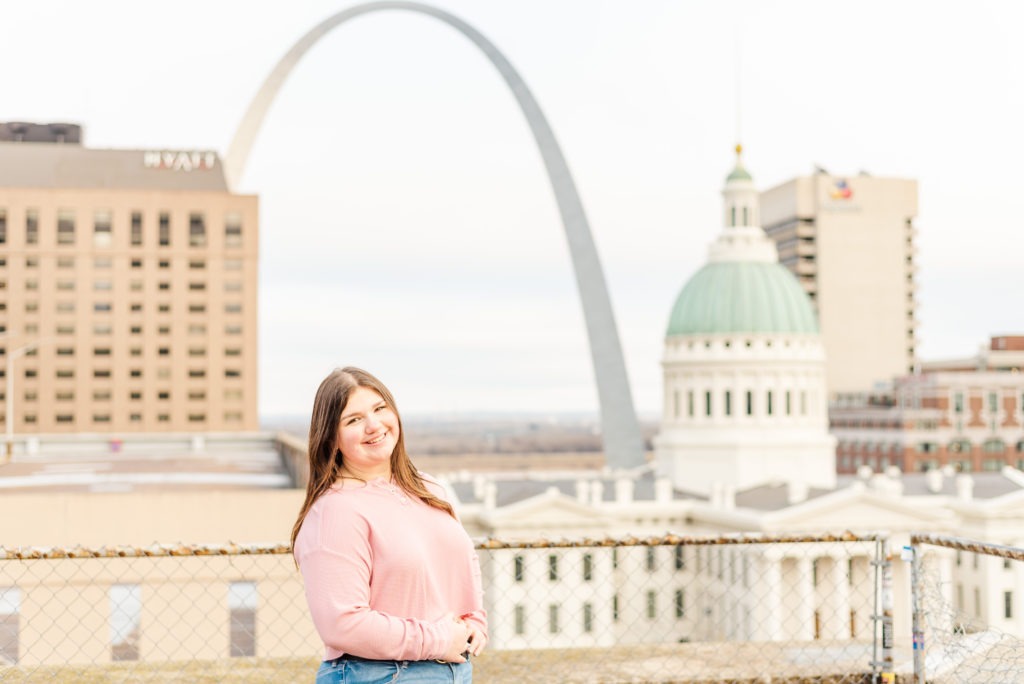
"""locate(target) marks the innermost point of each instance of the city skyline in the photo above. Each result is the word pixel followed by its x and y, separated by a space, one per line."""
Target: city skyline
pixel 394 143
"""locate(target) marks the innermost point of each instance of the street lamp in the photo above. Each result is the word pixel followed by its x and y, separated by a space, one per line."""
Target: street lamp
pixel 13 354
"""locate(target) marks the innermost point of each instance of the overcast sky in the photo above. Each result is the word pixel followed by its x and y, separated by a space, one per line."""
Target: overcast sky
pixel 407 224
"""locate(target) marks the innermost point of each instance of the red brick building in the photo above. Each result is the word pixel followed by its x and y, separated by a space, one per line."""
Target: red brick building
pixel 968 413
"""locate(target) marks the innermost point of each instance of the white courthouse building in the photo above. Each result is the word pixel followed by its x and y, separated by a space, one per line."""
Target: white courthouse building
pixel 744 448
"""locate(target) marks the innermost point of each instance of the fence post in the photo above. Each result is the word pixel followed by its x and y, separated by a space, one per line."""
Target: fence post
pixel 918 615
pixel 888 674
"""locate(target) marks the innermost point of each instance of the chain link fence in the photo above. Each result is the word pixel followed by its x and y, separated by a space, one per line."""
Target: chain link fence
pixel 967 611
pixel 664 609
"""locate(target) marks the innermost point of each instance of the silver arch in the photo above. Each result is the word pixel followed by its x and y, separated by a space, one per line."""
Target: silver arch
pixel 623 443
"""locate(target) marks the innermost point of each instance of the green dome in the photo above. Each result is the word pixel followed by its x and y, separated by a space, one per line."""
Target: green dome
pixel 739 173
pixel 742 297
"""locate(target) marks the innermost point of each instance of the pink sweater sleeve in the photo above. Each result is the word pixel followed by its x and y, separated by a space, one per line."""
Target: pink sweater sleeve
pixel 336 568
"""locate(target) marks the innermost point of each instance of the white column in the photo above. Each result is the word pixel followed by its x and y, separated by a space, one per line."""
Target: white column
pixel 836 623
pixel 769 625
pixel 804 607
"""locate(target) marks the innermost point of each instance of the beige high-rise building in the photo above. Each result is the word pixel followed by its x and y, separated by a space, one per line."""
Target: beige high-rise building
pixel 850 243
pixel 127 288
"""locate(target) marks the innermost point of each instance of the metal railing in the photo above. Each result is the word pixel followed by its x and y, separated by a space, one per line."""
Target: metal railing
pixel 662 609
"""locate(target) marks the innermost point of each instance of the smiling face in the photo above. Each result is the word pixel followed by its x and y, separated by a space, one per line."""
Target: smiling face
pixel 367 434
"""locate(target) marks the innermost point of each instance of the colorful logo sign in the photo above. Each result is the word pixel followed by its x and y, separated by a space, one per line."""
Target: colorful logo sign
pixel 842 190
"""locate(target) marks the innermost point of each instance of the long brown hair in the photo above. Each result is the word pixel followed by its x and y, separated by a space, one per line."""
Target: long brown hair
pixel 326 460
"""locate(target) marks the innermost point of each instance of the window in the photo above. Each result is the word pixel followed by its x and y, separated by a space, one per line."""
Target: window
pixel 680 601
pixel 615 608
pixel 651 559
pixel 196 373
pixel 197 264
pixel 233 230
pixel 768 403
pixel 232 308
pixel 520 620
pixel 164 229
pixel 101 395
pixel 789 408
pixel 196 230
pixel 65 418
pixel 101 351
pixel 553 618
pixel 588 567
pixel 31 262
pixel 588 618
pixel 235 286
pixel 102 285
pixel 136 229
pixel 689 403
pixel 65 351
pixel 101 229
pixel 136 307
pixel 32 227
pixel 163 396
pixel 65 227
pixel 135 396
pixel 233 394
pixel 101 417
pixel 232 417
pixel 958 402
pixel 652 605
pixel 232 351
pixel 232 373
pixel 136 263
pixel 1008 605
pixel 197 417
pixel 197 308
pixel 242 602
pixel 520 568
pixel 3 226
pixel 66 285
pixel 750 403
pixel 680 558
pixel 198 395
pixel 101 373
pixel 197 287
pixel 101 307
pixel 232 264
pixel 553 567
pixel 10 622
pixel 993 402
pixel 66 262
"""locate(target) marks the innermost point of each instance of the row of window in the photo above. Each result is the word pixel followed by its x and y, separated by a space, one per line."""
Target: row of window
pixel 125 620
pixel 103 228
pixel 133 395
pixel 587 613
pixel 103 418
pixel 1007 602
pixel 136 351
pixel 747 399
pixel 69 373
pixel 703 556
pixel 991 402
pixel 101 263
pixel 69 306
pixel 194 329
pixel 32 285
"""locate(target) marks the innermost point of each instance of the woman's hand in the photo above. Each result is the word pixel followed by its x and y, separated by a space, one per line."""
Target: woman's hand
pixel 460 642
pixel 477 639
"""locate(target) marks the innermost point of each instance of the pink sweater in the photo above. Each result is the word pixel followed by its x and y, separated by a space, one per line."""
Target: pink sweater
pixel 385 573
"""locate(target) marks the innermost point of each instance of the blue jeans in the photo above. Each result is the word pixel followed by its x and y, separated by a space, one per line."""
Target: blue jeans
pixel 348 670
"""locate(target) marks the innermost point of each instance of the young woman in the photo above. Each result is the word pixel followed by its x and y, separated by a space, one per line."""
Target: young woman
pixel 392 578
